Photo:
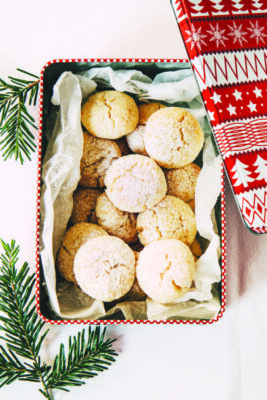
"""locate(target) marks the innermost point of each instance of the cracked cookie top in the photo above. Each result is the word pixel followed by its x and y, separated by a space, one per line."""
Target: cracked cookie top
pixel 116 222
pixel 135 183
pixel 73 239
pixel 105 268
pixel 110 114
pixel 165 270
pixel 172 218
pixel 173 137
pixel 97 156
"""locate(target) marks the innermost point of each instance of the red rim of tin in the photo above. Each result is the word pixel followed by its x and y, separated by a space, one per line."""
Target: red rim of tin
pixel 39 145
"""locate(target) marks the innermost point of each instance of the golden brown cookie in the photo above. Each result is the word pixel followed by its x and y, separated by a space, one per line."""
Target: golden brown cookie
pixel 84 204
pixel 135 183
pixel 98 155
pixel 173 137
pixel 181 182
pixel 116 222
pixel 104 268
pixel 172 218
pixel 146 110
pixel 165 270
pixel 110 114
pixel 76 236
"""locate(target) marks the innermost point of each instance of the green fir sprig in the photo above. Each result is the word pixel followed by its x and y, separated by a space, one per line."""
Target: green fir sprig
pixel 87 354
pixel 16 138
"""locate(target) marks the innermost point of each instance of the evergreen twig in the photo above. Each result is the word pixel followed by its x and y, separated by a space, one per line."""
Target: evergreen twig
pixel 16 139
pixel 87 353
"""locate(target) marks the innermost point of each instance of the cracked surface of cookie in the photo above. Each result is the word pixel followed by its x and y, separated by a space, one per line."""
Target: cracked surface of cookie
pixel 97 156
pixel 84 204
pixel 172 218
pixel 116 222
pixel 181 182
pixel 104 268
pixel 165 270
pixel 73 239
pixel 110 114
pixel 135 183
pixel 173 137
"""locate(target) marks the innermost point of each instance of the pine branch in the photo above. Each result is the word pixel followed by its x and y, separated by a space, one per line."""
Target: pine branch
pixel 23 335
pixel 84 360
pixel 15 120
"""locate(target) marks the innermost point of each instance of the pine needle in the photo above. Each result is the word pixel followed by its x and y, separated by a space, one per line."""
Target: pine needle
pixel 16 139
pixel 87 354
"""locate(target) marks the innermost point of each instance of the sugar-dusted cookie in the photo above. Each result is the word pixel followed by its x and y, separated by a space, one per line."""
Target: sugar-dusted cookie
pixel 165 270
pixel 110 114
pixel 116 222
pixel 135 139
pixel 172 218
pixel 84 204
pixel 98 154
pixel 135 183
pixel 104 268
pixel 173 137
pixel 73 239
pixel 181 182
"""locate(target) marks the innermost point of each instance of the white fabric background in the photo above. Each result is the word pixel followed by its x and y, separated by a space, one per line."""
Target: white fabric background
pixel 226 360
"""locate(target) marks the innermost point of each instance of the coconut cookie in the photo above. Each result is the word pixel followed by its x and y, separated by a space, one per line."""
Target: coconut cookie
pixel 172 218
pixel 181 182
pixel 98 154
pixel 110 114
pixel 173 137
pixel 74 238
pixel 135 183
pixel 84 204
pixel 104 268
pixel 165 270
pixel 116 222
pixel 135 139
